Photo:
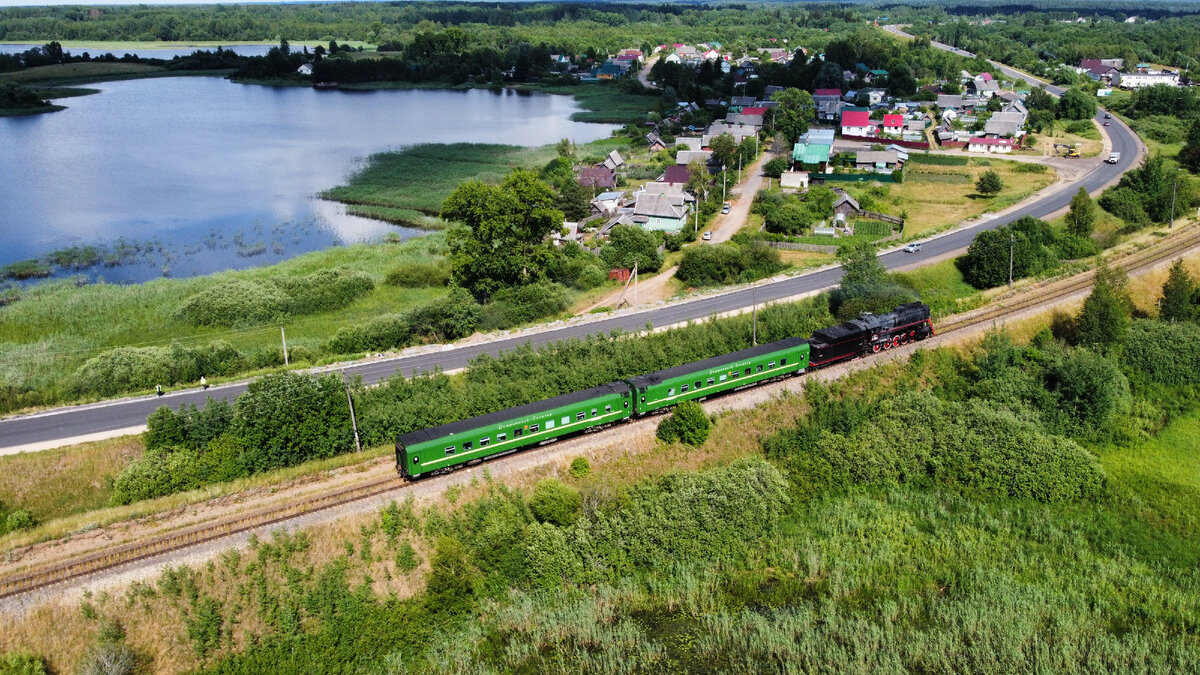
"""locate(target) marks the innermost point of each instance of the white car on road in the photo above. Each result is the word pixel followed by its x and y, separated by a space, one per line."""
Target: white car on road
pixel 913 247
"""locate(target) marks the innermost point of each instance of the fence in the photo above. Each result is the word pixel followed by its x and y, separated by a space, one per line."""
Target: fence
pixel 914 145
pixel 820 248
pixel 861 213
pixel 854 177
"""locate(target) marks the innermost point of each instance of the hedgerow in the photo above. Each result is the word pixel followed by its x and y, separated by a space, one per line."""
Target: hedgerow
pixel 131 368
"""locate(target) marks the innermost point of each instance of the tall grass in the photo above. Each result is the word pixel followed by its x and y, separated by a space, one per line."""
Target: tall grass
pixel 421 177
pixel 57 326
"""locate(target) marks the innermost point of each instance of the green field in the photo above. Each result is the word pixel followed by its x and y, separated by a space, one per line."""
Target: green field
pixel 406 185
pixel 938 194
pixel 941 286
pixel 82 72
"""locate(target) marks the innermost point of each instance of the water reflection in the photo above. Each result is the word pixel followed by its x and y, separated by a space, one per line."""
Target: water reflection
pixel 218 175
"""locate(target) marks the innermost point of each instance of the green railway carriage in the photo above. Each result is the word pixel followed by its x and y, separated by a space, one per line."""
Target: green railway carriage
pixel 699 379
pixel 504 431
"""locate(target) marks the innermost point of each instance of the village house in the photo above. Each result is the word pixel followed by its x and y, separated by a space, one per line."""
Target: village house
pixel 679 174
pixel 880 161
pixel 607 203
pixel 812 156
pixel 686 157
pixel 1145 78
pixel 794 180
pixel 857 123
pixel 662 212
pixel 990 145
pixel 613 161
pixel 689 142
pixel 738 131
pixel 1004 124
pixel 597 177
pixel 893 124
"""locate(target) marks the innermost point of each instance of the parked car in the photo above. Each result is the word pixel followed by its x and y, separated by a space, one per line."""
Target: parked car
pixel 913 247
pixel 726 207
pixel 707 236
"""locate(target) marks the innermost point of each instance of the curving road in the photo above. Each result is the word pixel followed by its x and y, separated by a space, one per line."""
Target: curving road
pixel 83 420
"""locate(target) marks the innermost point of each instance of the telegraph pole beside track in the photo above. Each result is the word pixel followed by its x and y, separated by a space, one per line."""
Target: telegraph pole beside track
pixel 1012 241
pixel 353 419
pixel 283 336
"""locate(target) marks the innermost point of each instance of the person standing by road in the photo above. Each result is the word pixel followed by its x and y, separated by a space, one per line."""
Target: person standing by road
pixel 203 383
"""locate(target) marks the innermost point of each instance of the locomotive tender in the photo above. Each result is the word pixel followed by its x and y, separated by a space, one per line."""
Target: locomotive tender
pixel 474 439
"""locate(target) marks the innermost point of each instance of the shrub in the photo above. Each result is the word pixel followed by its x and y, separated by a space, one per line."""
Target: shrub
pixel 289 418
pixel 242 302
pixel 918 439
pixel 109 658
pixel 1071 247
pixel 580 467
pixel 727 264
pixel 236 302
pixel 19 519
pixel 1163 353
pixel 514 306
pixel 22 663
pixel 687 424
pixel 556 503
pixel 419 275
pixel 1091 390
pixel 454 316
pixel 1125 204
pixel 389 331
pixel 629 244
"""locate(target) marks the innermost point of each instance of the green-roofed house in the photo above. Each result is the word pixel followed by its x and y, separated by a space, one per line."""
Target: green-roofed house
pixel 876 74
pixel 812 156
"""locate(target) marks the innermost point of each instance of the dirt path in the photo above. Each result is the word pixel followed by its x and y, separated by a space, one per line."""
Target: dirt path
pixel 651 289
pixel 727 225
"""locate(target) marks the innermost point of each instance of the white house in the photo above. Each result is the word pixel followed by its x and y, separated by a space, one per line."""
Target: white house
pixel 856 123
pixel 794 180
pixel 305 69
pixel 1147 79
pixel 990 145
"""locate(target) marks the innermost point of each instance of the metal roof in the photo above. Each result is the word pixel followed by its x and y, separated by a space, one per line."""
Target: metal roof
pixel 659 376
pixel 516 412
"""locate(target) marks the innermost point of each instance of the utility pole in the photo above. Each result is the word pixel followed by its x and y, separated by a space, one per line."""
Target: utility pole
pixel 635 283
pixel 353 419
pixel 754 323
pixel 723 174
pixel 283 337
pixel 1012 241
pixel 1173 191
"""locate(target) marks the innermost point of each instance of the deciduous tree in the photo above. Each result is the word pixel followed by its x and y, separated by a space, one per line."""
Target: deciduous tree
pixel 1176 301
pixel 1082 215
pixel 989 183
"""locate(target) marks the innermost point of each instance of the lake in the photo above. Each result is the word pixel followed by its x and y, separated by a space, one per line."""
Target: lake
pixel 189 175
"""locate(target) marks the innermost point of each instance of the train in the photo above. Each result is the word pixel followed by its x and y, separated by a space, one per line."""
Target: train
pixel 469 441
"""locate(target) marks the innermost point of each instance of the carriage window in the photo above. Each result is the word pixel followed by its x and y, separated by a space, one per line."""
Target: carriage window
pixel 500 438
pixel 643 399
pixel 517 433
pixel 771 364
pixel 683 389
pixel 450 450
pixel 593 412
pixel 533 427
pixel 466 445
pixel 671 391
pixel 747 371
pixel 710 381
pixel 608 408
pixel 484 441
pixel 783 362
pixel 416 460
pixel 697 385
pixel 723 377
pixel 550 424
pixel 580 416
pixel 627 403
pixel 736 373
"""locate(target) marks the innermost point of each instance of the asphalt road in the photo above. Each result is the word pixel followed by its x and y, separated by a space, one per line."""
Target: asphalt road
pixel 76 421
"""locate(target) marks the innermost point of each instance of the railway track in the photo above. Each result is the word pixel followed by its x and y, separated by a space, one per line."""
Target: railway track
pixel 90 564
pixel 1183 241
pixel 198 534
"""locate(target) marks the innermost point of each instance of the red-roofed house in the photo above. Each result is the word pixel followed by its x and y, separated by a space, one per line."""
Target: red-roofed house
pixel 754 110
pixel 893 124
pixel 835 94
pixel 990 145
pixel 856 123
pixel 986 77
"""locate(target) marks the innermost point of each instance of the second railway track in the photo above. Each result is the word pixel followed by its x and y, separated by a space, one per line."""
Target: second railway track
pixel 93 563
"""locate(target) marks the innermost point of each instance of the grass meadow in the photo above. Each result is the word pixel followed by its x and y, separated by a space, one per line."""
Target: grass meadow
pixel 413 182
pixel 81 72
pixel 936 196
pixel 56 326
